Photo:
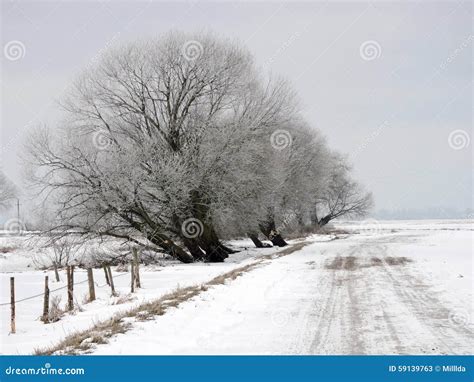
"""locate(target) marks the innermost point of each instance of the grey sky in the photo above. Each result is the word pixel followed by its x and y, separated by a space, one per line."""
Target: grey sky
pixel 392 115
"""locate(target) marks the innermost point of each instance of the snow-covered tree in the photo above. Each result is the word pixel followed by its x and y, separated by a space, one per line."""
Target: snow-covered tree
pixel 149 134
pixel 341 197
pixel 177 141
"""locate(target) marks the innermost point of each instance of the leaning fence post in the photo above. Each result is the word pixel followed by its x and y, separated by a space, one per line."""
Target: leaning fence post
pixel 12 304
pixel 70 287
pixel 90 278
pixel 132 274
pixel 45 317
pixel 111 280
pixel 136 268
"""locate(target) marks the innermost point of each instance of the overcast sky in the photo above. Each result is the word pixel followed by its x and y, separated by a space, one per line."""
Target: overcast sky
pixel 389 84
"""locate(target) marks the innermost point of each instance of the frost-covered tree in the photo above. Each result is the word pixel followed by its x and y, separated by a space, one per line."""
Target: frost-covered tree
pixel 148 137
pixel 342 196
pixel 172 141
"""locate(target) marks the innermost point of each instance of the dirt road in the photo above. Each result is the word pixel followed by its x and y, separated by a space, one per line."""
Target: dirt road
pixel 377 303
pixel 357 295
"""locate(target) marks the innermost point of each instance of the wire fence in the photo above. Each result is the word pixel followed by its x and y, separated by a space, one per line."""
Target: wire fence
pixel 60 288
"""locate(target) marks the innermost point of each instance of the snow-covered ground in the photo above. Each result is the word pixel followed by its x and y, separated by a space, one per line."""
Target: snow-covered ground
pixel 387 288
pixel 31 333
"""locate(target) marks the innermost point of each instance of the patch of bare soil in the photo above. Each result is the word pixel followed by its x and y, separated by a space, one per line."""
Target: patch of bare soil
pixel 336 263
pixel 397 260
pixel 7 249
pixel 351 263
pixel 348 263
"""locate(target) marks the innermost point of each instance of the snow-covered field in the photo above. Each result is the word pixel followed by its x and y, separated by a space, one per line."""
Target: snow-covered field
pixel 157 280
pixel 386 288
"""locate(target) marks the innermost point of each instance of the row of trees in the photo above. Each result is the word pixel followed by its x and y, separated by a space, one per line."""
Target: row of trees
pixel 182 141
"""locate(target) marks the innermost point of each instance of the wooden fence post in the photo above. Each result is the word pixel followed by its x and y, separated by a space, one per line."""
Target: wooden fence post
pixel 12 304
pixel 70 287
pixel 90 278
pixel 132 274
pixel 111 280
pixel 45 317
pixel 137 268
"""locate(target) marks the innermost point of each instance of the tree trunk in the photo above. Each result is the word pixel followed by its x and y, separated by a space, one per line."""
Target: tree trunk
pixel 90 279
pixel 272 234
pixel 111 280
pixel 56 273
pixel 229 250
pixel 314 217
pixel 257 242
pixel 278 240
pixel 159 239
pixel 216 252
pixel 171 248
pixel 325 220
pixel 207 240
pixel 193 247
pixel 300 219
pixel 106 275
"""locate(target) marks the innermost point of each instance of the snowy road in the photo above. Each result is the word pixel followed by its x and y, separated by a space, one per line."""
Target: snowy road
pixel 383 293
pixel 377 303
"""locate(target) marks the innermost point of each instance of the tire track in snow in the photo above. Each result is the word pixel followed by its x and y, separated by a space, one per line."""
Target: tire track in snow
pixel 429 311
pixel 342 309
